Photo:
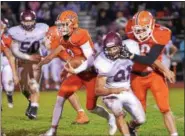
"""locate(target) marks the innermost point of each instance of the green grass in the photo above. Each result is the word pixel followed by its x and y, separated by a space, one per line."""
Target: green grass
pixel 15 123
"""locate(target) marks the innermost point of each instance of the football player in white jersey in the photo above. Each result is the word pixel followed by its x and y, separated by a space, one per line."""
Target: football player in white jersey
pixel 9 75
pixel 27 40
pixel 169 51
pixel 115 75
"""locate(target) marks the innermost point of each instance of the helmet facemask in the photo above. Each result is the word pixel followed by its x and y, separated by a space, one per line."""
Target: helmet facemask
pixel 28 25
pixel 112 52
pixel 143 33
pixel 65 27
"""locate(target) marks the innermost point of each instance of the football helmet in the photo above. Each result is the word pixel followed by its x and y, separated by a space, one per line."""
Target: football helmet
pixel 28 20
pixel 66 22
pixel 143 25
pixel 112 45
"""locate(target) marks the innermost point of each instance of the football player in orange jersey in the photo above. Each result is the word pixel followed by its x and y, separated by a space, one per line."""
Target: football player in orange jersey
pixel 52 40
pixel 9 76
pixel 74 42
pixel 152 38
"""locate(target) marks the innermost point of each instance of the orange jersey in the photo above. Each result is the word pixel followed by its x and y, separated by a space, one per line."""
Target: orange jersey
pixel 6 41
pixel 78 38
pixel 160 36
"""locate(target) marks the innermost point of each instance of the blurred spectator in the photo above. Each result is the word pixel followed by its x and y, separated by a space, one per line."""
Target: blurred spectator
pixel 44 14
pixel 102 18
pixel 103 5
pixel 57 9
pixel 121 21
pixel 181 49
pixel 7 12
pixel 34 5
pixel 73 6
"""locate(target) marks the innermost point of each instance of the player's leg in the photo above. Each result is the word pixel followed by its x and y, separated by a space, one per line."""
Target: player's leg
pixel 34 87
pixel 97 109
pixel 45 73
pixel 139 88
pixel 7 80
pixel 114 104
pixel 68 87
pixel 160 91
pixel 81 118
pixel 56 69
pixel 133 106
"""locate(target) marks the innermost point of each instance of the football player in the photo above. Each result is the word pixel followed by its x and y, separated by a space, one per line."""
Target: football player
pixel 74 42
pixel 52 40
pixel 152 39
pixel 27 39
pixel 9 75
pixel 115 75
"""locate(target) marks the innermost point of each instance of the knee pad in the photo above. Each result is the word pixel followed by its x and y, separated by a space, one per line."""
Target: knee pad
pixel 9 86
pixel 34 86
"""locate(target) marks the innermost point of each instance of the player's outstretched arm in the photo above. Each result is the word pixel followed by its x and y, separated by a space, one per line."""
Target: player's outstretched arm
pixel 146 60
pixel 101 90
pixel 11 60
pixel 52 55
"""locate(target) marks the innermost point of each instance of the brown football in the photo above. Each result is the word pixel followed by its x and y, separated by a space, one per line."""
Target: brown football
pixel 76 61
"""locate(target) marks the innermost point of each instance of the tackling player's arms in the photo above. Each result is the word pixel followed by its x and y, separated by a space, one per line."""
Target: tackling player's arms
pixel 101 90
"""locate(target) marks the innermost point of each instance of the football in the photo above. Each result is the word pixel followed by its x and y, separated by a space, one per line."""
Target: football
pixel 76 61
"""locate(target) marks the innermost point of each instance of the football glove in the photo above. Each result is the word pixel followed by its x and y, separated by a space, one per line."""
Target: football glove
pixel 125 53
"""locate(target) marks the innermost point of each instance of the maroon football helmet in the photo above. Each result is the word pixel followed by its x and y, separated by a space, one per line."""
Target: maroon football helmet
pixel 112 45
pixel 28 20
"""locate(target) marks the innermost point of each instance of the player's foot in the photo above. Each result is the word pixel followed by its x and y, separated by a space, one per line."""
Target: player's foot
pixel 133 131
pixel 10 105
pixel 112 125
pixel 81 118
pixel 50 132
pixel 33 112
pixel 28 109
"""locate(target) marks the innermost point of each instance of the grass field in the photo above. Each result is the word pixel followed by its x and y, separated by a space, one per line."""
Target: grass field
pixel 15 123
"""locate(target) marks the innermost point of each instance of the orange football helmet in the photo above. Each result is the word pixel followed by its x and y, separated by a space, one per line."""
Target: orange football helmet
pixel 66 22
pixel 143 25
pixel 52 39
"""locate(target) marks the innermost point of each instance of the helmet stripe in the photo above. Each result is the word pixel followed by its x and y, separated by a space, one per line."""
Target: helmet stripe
pixel 136 20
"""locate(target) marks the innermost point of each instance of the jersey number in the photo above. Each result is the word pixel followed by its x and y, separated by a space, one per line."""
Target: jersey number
pixel 123 75
pixel 25 46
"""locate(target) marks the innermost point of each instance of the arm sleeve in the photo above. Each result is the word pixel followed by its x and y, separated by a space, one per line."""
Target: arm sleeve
pixel 18 53
pixel 88 53
pixel 150 57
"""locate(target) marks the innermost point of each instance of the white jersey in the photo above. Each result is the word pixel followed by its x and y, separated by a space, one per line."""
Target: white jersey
pixel 28 38
pixel 97 48
pixel 165 59
pixel 118 71
pixel 118 75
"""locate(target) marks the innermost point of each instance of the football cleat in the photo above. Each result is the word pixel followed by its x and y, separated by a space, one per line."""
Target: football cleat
pixel 28 109
pixel 50 132
pixel 112 125
pixel 133 131
pixel 10 105
pixel 81 118
pixel 32 112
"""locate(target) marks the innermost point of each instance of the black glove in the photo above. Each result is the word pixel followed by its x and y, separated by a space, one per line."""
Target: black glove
pixel 125 53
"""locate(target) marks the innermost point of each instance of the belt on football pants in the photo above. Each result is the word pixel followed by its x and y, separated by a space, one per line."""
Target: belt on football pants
pixel 142 74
